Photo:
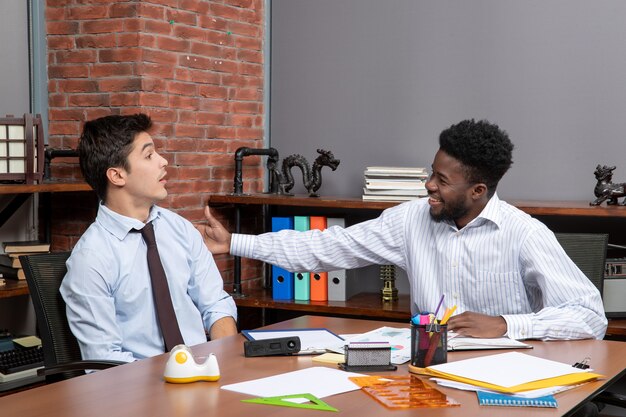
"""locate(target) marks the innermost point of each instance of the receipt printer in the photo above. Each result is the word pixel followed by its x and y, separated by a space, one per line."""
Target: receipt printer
pixel 181 367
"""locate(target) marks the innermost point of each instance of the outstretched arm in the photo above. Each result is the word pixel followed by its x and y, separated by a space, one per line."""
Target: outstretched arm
pixel 216 237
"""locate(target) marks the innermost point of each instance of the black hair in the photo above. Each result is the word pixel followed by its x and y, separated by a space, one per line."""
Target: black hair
pixel 105 143
pixel 483 148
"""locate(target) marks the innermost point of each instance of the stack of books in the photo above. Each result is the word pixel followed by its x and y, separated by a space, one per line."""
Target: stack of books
pixel 394 183
pixel 10 266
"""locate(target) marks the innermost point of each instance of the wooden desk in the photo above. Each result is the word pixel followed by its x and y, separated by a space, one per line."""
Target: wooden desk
pixel 137 389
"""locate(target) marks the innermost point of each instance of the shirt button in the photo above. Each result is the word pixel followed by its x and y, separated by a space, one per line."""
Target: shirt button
pixel 455 295
pixel 455 264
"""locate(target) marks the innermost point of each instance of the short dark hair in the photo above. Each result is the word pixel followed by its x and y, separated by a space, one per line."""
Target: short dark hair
pixel 106 142
pixel 483 148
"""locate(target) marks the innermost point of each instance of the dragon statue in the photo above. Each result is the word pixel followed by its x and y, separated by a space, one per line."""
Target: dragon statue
pixel 606 189
pixel 283 180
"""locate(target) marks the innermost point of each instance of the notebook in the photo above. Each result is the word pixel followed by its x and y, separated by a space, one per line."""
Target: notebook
pixel 492 398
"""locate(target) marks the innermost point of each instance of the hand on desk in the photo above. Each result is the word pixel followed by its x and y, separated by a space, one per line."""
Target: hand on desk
pixel 477 325
pixel 216 237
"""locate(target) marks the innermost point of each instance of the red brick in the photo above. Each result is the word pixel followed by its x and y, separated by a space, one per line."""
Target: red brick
pixel 124 99
pixel 129 40
pixel 199 6
pixel 182 102
pixel 65 114
pixel 213 91
pixel 68 71
pixel 88 100
pixel 97 112
pixel 160 27
pixel 57 100
pixel 124 84
pixel 62 28
pixel 245 107
pixel 214 106
pixel 194 173
pixel 189 131
pixel 190 159
pixel 222 132
pixel 96 41
pixel 248 94
pixel 178 17
pixel 180 144
pixel 64 128
pixel 213 51
pixel 120 55
pixel 63 57
pixel 251 16
pixel 241 120
pixel 102 26
pixel 123 10
pixel 113 69
pixel 61 42
pixel 212 22
pixel 172 44
pixel 152 11
pixel 186 89
pixel 163 115
pixel 187 117
pixel 246 68
pixel 240 3
pixel 227 12
pixel 210 118
pixel 244 29
pixel 203 77
pixel 186 32
pixel 239 81
pixel 132 25
pixel 159 57
pixel 249 133
pixel 152 99
pixel 212 145
pixel 243 42
pixel 87 12
pixel 163 71
pixel 78 86
pixel 250 56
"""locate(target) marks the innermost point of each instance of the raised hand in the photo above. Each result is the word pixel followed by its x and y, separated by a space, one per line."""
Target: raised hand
pixel 216 237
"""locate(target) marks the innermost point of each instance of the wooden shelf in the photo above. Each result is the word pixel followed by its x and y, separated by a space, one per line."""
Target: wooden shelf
pixel 535 208
pixel 360 305
pixel 46 187
pixel 13 288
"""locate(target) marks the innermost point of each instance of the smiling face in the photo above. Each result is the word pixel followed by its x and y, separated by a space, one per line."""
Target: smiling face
pixel 450 194
pixel 144 181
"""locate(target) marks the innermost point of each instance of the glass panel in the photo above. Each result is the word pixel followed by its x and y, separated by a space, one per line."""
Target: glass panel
pixel 17 166
pixel 3 131
pixel 3 166
pixel 17 149
pixel 16 132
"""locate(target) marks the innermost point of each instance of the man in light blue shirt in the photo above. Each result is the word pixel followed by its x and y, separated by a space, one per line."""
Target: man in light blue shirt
pixel 107 289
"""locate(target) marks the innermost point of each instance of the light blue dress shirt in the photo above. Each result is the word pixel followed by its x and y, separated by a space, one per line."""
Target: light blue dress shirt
pixel 504 262
pixel 108 292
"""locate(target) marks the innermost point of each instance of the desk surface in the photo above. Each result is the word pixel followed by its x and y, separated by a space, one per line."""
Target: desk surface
pixel 137 389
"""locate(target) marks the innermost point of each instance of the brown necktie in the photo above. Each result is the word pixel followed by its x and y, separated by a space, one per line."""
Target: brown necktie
pixel 161 292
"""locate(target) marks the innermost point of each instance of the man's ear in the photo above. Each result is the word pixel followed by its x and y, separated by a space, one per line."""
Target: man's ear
pixel 479 191
pixel 116 176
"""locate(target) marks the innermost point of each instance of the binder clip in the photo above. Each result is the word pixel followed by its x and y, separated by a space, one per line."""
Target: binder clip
pixel 584 364
pixel 368 356
pixel 181 367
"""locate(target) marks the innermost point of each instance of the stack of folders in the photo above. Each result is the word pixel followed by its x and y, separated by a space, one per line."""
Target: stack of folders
pixel 308 285
pixel 513 378
pixel 394 183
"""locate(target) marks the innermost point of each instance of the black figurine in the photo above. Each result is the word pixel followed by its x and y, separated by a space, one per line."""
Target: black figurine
pixel 312 178
pixel 605 189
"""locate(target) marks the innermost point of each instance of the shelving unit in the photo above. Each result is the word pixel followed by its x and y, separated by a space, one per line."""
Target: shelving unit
pixel 370 304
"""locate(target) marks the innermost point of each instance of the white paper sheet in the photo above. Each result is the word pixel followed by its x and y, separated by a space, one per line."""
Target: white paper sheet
pixel 507 369
pixel 318 381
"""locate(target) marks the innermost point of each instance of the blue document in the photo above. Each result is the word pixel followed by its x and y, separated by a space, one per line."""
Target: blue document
pixel 282 280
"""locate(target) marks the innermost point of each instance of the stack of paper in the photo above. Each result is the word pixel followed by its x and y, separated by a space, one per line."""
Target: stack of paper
pixel 394 183
pixel 509 373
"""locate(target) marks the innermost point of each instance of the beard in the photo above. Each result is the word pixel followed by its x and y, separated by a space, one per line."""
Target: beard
pixel 452 210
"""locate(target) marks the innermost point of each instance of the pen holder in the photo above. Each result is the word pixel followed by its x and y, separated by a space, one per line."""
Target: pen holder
pixel 429 344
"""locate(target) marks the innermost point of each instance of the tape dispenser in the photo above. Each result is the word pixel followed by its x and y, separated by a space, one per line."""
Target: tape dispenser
pixel 181 367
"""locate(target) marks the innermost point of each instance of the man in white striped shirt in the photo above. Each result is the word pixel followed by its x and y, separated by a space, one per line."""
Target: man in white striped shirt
pixel 503 269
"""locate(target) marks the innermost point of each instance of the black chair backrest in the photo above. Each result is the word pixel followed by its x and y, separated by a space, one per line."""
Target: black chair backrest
pixel 44 273
pixel 588 251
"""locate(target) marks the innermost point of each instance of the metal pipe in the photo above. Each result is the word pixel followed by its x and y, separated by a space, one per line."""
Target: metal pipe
pixel 245 151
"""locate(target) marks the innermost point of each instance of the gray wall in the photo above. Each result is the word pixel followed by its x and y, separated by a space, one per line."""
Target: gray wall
pixel 376 81
pixel 14 66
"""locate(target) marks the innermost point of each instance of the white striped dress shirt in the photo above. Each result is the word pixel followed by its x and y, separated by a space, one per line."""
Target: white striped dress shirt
pixel 504 262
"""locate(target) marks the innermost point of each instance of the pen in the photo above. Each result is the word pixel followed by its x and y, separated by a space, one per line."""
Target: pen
pixel 447 314
pixel 439 305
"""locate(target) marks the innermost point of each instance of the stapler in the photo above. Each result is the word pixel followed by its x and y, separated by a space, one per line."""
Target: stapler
pixel 181 367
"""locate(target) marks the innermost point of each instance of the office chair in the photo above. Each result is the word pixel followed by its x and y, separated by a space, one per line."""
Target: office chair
pixel 62 359
pixel 588 251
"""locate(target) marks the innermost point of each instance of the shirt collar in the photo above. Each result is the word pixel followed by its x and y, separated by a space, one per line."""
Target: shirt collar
pixel 119 225
pixel 491 211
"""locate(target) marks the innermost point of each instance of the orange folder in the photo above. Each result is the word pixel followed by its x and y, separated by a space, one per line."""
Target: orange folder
pixel 319 280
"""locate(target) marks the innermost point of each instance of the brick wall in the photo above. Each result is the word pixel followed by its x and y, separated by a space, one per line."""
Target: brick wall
pixel 195 66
